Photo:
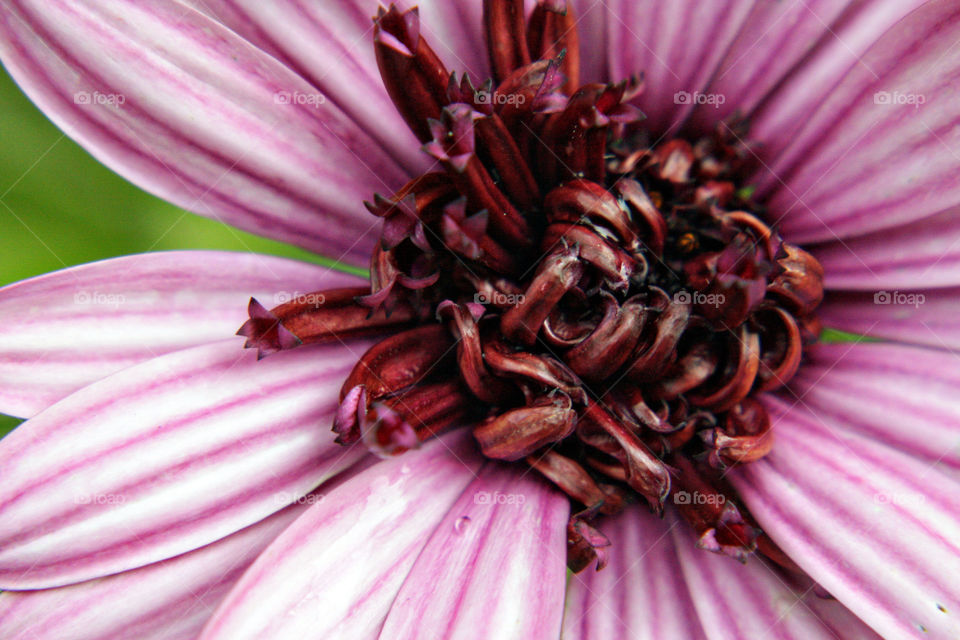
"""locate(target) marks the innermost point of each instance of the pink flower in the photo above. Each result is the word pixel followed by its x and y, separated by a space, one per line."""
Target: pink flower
pixel 169 484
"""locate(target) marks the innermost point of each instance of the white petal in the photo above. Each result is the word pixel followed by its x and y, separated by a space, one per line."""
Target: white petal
pixel 641 593
pixel 877 528
pixel 165 457
pixel 64 330
pixel 335 572
pixel 755 600
pixel 494 568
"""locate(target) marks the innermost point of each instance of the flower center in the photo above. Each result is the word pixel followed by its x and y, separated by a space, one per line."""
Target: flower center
pixel 601 305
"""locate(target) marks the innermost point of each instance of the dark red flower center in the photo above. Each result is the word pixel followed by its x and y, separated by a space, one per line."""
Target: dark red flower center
pixel 600 304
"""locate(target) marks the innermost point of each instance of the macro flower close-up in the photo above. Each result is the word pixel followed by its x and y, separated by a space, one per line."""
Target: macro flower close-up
pixel 628 319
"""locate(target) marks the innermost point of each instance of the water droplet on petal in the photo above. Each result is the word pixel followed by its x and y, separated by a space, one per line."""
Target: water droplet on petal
pixel 460 526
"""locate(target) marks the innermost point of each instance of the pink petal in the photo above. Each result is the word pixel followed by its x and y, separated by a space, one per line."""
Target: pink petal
pixel 592 20
pixel 494 568
pixel 837 618
pixel 336 571
pixel 875 527
pixel 190 111
pixel 878 151
pixel 839 55
pixel 641 593
pixel 330 45
pixel 165 457
pixel 902 396
pixel 755 600
pixel 677 45
pixel 169 600
pixel 935 322
pixel 923 254
pixel 749 72
pixel 454 30
pixel 64 330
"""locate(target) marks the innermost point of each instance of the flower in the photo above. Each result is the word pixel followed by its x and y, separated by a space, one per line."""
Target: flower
pixel 161 462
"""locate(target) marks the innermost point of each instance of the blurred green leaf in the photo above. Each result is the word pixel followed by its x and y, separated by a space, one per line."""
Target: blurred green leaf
pixel 7 424
pixel 832 336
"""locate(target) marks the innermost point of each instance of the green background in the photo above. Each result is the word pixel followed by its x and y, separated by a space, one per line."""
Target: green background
pixel 60 207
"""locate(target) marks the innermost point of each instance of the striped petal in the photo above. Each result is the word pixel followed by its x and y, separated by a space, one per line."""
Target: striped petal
pixel 494 568
pixel 592 20
pixel 902 396
pixel 64 330
pixel 330 45
pixel 748 73
pixel 187 109
pixel 934 323
pixel 838 618
pixel 677 45
pixel 166 457
pixel 923 254
pixel 876 527
pixel 879 151
pixel 454 30
pixel 839 56
pixel 641 592
pixel 169 600
pixel 335 572
pixel 755 600
pixel 309 35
